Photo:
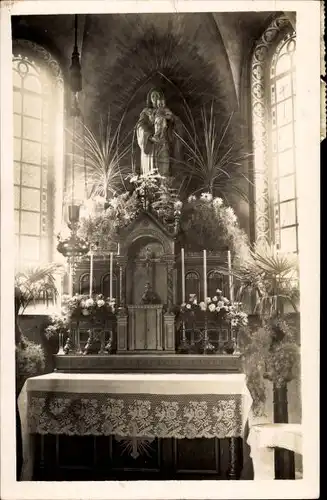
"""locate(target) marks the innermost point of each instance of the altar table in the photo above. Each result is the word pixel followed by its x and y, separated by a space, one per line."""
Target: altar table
pixel 133 405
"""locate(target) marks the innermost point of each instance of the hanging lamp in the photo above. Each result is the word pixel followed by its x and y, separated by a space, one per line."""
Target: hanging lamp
pixel 73 247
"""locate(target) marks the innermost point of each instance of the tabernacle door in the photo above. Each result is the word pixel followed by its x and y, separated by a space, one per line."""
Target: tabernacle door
pixel 145 328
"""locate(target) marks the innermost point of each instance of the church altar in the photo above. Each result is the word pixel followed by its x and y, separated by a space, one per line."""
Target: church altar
pixel 134 406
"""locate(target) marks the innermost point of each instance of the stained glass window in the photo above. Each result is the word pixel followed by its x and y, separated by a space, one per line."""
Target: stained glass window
pixel 31 152
pixel 282 134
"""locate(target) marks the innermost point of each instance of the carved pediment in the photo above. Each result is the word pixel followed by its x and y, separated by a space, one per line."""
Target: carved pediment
pixel 147 227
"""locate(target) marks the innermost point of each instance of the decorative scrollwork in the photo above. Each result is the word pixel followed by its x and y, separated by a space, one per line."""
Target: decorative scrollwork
pixel 27 48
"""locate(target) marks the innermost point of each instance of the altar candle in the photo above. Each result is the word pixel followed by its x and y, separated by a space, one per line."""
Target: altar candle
pixel 91 273
pixel 183 274
pixel 111 272
pixel 230 276
pixel 118 249
pixel 70 280
pixel 205 291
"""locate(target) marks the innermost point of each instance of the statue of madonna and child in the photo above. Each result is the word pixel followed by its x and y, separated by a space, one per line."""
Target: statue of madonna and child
pixel 155 134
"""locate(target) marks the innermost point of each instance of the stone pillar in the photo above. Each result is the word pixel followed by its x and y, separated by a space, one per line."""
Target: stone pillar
pixel 169 332
pixel 122 343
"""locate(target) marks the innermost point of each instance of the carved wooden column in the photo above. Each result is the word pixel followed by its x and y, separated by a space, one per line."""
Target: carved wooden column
pixel 122 281
pixel 170 284
pixel 122 342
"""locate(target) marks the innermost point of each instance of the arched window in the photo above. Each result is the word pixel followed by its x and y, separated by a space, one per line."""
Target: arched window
pixel 273 119
pixel 105 286
pixel 215 280
pixel 84 284
pixel 38 151
pixel 282 137
pixel 192 284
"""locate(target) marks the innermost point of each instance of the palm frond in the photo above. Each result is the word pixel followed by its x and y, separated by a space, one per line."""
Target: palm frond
pixel 103 157
pixel 36 281
pixel 210 160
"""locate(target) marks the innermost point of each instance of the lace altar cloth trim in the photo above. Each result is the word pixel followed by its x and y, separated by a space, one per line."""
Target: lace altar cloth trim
pixel 136 415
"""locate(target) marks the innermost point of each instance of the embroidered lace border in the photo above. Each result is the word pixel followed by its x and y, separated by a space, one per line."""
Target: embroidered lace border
pixel 137 415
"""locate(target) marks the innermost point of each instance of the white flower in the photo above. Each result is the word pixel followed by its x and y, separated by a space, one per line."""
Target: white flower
pixel 188 306
pixel 230 214
pixel 225 300
pixel 206 196
pixel 219 291
pixel 220 303
pixel 191 198
pixel 215 298
pixel 218 202
pixel 178 205
pixel 100 302
pixel 195 301
pixel 202 305
pixel 208 300
pixel 234 322
pixel 89 302
pixel 217 309
pixel 212 307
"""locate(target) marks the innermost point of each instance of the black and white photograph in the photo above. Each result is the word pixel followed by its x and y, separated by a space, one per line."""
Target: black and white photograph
pixel 159 231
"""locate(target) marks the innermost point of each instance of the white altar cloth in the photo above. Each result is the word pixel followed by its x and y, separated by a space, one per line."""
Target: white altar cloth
pixel 160 405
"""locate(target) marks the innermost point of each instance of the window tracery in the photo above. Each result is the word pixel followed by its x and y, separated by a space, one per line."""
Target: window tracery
pixel 273 120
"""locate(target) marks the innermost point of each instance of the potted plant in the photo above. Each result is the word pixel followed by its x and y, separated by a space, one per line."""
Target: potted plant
pixel 32 284
pixel 271 352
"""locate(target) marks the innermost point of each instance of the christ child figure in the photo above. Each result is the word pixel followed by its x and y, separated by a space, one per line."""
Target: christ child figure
pixel 162 114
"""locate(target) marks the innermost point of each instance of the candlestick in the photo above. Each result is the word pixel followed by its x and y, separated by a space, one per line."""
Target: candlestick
pixel 91 273
pixel 205 291
pixel 183 274
pixel 230 277
pixel 111 272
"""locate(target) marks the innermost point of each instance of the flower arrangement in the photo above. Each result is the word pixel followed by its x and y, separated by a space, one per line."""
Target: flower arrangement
pixel 218 306
pixel 207 223
pixel 30 361
pixel 269 356
pixel 100 229
pixel 95 308
pixel 58 324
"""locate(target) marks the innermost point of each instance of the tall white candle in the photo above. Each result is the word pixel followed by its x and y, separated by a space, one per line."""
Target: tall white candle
pixel 230 277
pixel 118 249
pixel 70 280
pixel 111 273
pixel 205 290
pixel 183 274
pixel 91 273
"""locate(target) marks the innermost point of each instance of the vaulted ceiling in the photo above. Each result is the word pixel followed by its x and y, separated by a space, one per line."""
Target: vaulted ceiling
pixel 217 43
